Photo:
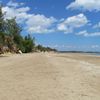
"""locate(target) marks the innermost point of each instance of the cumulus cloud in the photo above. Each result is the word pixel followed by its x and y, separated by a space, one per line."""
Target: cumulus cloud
pixel 20 13
pixel 89 5
pixel 40 24
pixel 34 23
pixel 88 34
pixel 69 24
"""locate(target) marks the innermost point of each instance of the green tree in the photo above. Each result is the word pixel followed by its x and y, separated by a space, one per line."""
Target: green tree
pixel 29 43
pixel 2 22
pixel 2 29
pixel 14 30
pixel 10 36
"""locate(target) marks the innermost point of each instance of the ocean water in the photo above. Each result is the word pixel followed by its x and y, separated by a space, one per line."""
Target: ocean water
pixel 88 53
pixel 95 54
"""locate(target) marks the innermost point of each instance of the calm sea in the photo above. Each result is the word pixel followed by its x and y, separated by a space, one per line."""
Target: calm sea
pixel 97 54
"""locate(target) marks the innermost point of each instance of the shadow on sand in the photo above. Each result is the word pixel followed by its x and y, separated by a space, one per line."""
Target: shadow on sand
pixel 3 56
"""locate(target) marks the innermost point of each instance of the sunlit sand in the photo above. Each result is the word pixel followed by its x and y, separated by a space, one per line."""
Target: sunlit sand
pixel 50 76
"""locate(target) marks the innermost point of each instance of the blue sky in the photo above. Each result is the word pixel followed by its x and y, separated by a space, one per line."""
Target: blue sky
pixel 61 24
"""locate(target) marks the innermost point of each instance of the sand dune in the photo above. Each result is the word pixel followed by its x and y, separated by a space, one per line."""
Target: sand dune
pixel 50 76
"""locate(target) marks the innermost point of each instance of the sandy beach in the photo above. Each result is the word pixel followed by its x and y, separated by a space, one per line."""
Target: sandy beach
pixel 50 76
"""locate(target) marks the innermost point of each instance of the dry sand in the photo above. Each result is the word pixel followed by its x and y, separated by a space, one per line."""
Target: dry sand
pixel 49 76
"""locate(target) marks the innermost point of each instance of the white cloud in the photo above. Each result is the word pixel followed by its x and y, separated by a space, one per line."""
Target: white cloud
pixel 23 9
pixel 20 13
pixel 95 46
pixel 69 24
pixel 97 26
pixel 60 46
pixel 87 34
pixel 89 5
pixel 14 4
pixel 74 47
pixel 10 12
pixel 40 24
pixel 34 23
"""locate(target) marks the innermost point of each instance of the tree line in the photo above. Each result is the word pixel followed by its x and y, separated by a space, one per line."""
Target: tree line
pixel 11 39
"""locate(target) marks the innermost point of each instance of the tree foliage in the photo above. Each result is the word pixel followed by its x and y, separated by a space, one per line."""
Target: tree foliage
pixel 44 49
pixel 12 40
pixel 28 43
pixel 10 36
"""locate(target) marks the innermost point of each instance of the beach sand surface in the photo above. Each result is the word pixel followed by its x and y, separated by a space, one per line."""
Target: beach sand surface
pixel 50 76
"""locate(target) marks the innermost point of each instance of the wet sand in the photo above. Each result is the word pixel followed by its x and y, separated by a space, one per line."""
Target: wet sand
pixel 50 76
